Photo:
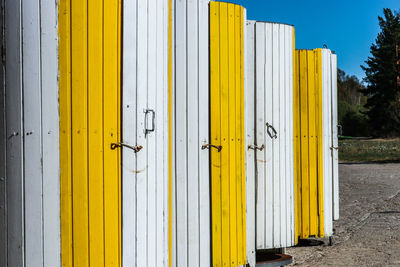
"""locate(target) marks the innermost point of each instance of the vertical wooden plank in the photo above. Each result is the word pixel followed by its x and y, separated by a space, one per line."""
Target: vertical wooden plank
pixel 335 139
pixel 95 132
pixel 160 103
pixel 269 66
pixel 129 133
pixel 181 129
pixel 292 133
pixel 250 46
pixel 215 132
pixel 14 135
pixel 31 79
pixel 65 65
pixel 312 145
pixel 129 78
pixel 327 124
pixel 79 102
pixel 281 134
pixel 224 128
pixel 319 107
pixel 242 15
pixel 111 131
pixel 141 104
pixel 233 117
pixel 50 130
pixel 269 151
pixel 151 137
pixel 204 133
pixel 261 94
pixel 296 144
pixel 3 152
pixel 193 132
pixel 171 238
pixel 288 147
pixel 276 125
pixel 304 143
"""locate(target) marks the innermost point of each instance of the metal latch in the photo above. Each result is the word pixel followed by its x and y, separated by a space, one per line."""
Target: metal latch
pixel 147 120
pixel 134 148
pixel 272 134
pixel 261 148
pixel 334 147
pixel 208 146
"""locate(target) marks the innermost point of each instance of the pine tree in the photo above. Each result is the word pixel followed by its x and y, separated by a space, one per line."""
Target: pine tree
pixel 382 77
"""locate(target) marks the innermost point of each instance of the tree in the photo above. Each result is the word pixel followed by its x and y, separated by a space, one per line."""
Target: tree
pixel 350 105
pixel 382 75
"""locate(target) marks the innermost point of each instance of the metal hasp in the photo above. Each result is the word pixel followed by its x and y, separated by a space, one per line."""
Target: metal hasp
pixel 146 120
pixel 274 133
pixel 255 147
pixel 134 148
pixel 207 146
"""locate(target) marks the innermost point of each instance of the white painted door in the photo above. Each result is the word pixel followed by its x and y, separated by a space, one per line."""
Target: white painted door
pixel 269 109
pixel 335 144
pixel 327 140
pixel 191 233
pixel 29 179
pixel 250 142
pixel 145 133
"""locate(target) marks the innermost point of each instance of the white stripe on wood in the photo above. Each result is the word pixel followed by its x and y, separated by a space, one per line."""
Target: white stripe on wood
pixel 3 195
pixel 31 70
pixel 14 134
pixel 274 200
pixel 335 143
pixel 250 141
pixel 145 174
pixel 191 185
pixel 50 134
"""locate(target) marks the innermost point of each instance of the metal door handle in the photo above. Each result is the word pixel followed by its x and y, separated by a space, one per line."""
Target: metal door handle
pixel 261 148
pixel 208 146
pixel 134 148
pixel 334 147
pixel 274 133
pixel 146 120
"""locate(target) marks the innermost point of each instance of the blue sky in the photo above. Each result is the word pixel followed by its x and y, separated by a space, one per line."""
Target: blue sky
pixel 347 27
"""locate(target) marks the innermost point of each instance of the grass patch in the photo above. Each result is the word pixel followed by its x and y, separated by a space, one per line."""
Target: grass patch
pixel 371 150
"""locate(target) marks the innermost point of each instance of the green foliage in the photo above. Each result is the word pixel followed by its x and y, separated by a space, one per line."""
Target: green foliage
pixel 351 106
pixel 382 73
pixel 354 122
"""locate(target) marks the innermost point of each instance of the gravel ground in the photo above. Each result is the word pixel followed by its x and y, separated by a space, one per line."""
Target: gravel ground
pixel 368 231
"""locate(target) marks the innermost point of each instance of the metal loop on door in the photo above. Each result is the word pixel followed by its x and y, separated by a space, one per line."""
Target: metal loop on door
pixel 274 133
pixel 146 121
pixel 254 147
pixel 208 146
pixel 134 148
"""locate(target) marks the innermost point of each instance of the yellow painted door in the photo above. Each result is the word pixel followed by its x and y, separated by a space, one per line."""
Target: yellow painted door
pixel 227 134
pixel 308 144
pixel 90 85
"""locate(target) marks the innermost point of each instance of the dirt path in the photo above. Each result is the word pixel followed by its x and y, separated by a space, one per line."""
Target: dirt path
pixel 368 231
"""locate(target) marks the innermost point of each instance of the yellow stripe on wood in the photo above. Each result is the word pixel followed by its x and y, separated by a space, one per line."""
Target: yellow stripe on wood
pixel 90 85
pixel 308 144
pixel 227 130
